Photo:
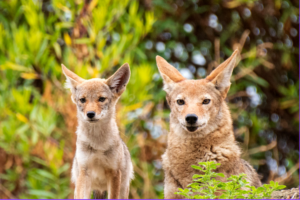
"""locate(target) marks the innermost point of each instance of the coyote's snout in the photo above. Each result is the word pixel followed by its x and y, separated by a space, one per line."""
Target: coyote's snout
pixel 200 126
pixel 102 161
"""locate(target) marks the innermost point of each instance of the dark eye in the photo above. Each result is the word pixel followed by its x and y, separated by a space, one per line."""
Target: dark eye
pixel 82 100
pixel 180 102
pixel 102 99
pixel 206 101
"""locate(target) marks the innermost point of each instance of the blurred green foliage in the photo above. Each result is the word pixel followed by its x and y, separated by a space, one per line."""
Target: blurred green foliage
pixel 94 38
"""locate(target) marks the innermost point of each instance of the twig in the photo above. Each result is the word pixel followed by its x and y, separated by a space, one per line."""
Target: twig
pixel 7 192
pixel 243 72
pixel 244 130
pixel 217 51
pixel 258 162
pixel 288 174
pixel 265 45
pixel 139 171
pixel 243 39
pixel 263 148
pixel 293 195
pixel 276 156
pixel 239 94
pixel 134 193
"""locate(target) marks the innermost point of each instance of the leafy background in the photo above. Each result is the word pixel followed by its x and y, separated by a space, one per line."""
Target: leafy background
pixel 93 38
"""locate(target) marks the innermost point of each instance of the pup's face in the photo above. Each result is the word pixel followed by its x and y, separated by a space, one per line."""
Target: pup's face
pixel 195 104
pixel 96 98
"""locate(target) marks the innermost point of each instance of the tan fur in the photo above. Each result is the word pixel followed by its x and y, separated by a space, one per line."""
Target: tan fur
pixel 213 140
pixel 114 182
pixel 102 160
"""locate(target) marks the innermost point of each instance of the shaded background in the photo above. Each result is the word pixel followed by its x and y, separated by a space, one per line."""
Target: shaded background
pixel 94 38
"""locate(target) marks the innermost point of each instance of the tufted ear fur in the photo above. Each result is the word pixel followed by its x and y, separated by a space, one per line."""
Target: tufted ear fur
pixel 169 74
pixel 118 81
pixel 220 77
pixel 72 80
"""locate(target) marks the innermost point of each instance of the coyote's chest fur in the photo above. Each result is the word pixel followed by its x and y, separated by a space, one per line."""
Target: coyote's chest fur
pixel 184 152
pixel 97 159
pixel 100 153
pixel 97 162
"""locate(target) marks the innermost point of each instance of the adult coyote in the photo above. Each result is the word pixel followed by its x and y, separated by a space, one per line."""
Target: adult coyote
pixel 200 126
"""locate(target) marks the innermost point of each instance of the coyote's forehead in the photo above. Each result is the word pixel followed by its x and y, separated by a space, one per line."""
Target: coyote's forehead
pixel 94 87
pixel 194 88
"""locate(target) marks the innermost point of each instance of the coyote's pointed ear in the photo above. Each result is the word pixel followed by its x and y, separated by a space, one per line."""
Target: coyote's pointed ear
pixel 72 79
pixel 220 77
pixel 169 73
pixel 118 81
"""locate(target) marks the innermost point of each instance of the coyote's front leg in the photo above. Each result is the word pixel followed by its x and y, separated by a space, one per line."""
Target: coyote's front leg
pixel 171 186
pixel 114 184
pixel 83 186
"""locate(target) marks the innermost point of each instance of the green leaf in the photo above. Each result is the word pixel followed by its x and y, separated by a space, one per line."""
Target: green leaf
pixel 220 174
pixel 280 187
pixel 197 167
pixel 42 194
pixel 46 174
pixel 197 176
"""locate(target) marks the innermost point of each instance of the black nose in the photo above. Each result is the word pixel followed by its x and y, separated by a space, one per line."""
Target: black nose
pixel 90 114
pixel 191 118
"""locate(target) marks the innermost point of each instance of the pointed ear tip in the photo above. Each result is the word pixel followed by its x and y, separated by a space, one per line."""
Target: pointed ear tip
pixel 159 61
pixel 126 66
pixel 158 58
pixel 64 69
pixel 235 52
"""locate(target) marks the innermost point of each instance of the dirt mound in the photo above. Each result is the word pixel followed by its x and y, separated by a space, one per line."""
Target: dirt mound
pixel 286 194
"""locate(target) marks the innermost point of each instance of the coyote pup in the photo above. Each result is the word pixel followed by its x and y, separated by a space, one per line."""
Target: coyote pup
pixel 102 161
pixel 200 127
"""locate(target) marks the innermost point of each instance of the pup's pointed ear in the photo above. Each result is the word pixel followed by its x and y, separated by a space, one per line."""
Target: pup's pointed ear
pixel 118 81
pixel 220 77
pixel 169 73
pixel 72 79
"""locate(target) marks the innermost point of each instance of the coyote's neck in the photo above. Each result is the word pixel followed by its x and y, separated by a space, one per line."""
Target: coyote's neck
pixel 99 132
